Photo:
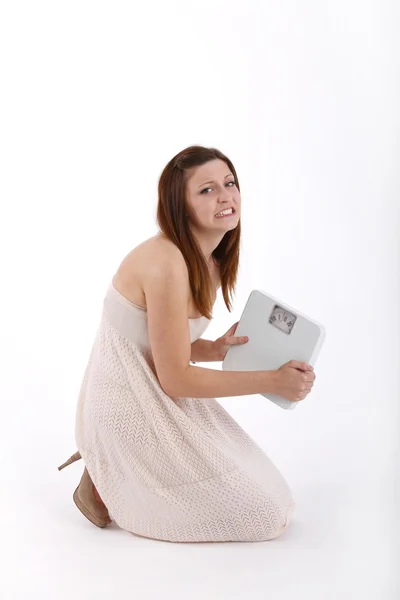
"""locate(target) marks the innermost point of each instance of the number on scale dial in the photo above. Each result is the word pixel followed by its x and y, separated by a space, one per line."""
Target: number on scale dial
pixel 282 319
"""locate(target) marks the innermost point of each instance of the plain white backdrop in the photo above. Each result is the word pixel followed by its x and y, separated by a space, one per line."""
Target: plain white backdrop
pixel 96 97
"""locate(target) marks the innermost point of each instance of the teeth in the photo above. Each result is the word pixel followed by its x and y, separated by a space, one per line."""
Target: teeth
pixel 228 211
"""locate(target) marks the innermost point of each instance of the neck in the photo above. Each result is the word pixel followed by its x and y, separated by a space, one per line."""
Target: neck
pixel 208 243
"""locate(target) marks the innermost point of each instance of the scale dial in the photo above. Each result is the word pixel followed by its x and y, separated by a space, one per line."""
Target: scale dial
pixel 282 319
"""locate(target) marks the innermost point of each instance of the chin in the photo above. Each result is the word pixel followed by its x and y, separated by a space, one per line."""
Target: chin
pixel 229 225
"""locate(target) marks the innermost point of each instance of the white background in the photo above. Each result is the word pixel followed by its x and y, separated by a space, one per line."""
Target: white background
pixel 96 97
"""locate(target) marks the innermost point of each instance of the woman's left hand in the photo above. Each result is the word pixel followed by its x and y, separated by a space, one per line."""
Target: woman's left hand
pixel 223 343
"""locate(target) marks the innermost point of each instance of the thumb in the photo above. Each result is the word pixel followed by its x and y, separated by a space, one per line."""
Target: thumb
pixel 301 365
pixel 241 339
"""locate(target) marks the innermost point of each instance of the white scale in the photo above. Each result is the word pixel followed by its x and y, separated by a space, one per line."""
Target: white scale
pixel 277 334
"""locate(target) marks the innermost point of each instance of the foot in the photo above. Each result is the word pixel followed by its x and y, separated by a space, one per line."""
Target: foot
pixel 89 502
pixel 100 501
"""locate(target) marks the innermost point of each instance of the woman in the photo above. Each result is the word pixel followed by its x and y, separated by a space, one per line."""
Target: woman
pixel 162 456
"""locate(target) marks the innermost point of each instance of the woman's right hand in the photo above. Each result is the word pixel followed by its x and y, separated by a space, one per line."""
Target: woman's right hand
pixel 294 380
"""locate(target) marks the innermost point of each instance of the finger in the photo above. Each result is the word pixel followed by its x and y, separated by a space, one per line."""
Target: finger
pixel 299 364
pixel 234 341
pixel 309 376
pixel 232 329
pixel 240 339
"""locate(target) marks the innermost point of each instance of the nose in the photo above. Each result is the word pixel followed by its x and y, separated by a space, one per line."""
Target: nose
pixel 225 195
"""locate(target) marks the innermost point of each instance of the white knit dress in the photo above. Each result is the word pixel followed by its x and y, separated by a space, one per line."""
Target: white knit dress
pixel 174 469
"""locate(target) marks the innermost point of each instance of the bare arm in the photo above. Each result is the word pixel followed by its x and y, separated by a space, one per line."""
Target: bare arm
pixel 203 351
pixel 198 382
pixel 167 291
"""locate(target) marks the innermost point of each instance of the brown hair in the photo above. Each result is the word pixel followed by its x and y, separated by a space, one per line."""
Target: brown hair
pixel 172 219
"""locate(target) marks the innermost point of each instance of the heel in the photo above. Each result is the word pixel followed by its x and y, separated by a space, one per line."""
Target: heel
pixel 72 459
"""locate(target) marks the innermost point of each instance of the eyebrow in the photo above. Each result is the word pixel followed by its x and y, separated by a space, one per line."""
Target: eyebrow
pixel 229 174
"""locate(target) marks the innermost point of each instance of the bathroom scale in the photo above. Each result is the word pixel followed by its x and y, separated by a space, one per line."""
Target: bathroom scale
pixel 277 334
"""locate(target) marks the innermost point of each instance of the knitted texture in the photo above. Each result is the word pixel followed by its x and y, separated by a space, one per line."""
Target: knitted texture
pixel 173 469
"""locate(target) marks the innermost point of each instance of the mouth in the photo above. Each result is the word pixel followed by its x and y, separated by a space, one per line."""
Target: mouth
pixel 227 212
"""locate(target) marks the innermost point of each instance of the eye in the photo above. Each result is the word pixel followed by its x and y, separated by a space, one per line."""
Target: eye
pixel 227 183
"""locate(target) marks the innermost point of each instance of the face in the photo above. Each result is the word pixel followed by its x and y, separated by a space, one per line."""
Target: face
pixel 211 189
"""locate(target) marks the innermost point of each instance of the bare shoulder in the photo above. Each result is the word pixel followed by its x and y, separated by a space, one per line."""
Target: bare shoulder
pixel 159 253
pixel 147 260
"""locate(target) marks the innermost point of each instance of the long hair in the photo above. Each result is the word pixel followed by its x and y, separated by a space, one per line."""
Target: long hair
pixel 173 214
